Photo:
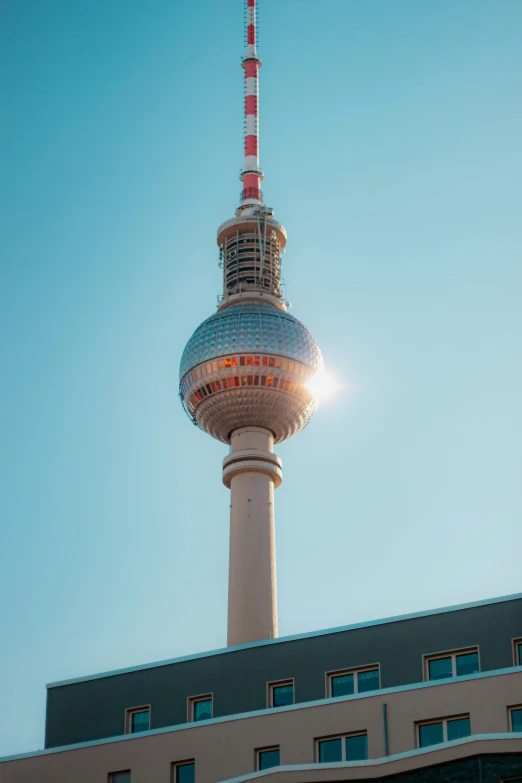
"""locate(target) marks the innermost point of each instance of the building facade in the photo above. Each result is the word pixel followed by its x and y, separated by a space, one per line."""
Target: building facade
pixel 429 697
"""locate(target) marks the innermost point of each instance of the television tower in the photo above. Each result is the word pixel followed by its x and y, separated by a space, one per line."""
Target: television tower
pixel 245 377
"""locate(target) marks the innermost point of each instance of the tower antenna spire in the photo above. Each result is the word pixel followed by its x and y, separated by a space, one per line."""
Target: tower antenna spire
pixel 251 174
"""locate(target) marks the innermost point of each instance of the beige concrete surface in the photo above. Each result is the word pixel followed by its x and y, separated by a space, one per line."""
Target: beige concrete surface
pixel 252 590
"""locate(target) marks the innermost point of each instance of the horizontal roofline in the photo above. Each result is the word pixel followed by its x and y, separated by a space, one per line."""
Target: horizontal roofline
pixel 283 639
pixel 271 710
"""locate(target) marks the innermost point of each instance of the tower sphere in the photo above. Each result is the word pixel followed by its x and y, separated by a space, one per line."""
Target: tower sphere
pixel 249 365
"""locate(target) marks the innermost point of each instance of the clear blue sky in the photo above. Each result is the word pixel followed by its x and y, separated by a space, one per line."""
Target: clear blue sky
pixel 391 146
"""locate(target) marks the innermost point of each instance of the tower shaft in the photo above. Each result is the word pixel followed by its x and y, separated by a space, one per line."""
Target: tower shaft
pixel 252 471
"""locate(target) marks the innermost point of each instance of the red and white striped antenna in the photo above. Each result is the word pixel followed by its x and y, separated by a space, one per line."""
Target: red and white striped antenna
pixel 251 174
pixel 252 242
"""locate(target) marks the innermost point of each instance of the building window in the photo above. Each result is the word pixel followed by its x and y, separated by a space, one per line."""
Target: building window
pixel 515 714
pixel 451 664
pixel 517 649
pixel 347 682
pixel 280 694
pixel 137 719
pixel 436 731
pixel 346 747
pixel 200 707
pixel 268 757
pixel 183 772
pixel 120 777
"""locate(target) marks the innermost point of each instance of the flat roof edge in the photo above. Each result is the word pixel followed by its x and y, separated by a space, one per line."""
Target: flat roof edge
pixel 184 726
pixel 283 639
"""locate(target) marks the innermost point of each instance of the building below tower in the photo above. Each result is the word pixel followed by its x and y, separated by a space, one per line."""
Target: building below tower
pixel 429 698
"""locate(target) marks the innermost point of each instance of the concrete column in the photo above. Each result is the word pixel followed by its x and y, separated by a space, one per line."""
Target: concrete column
pixel 251 471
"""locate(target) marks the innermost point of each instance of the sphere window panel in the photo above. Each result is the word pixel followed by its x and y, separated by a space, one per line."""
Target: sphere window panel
pixel 272 328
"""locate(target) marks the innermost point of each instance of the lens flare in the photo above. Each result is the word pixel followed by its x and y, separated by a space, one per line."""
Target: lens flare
pixel 322 385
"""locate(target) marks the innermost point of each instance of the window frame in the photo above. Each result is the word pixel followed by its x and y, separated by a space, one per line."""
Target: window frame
pixel 258 752
pixel 510 715
pixel 191 701
pixel 318 740
pixel 111 778
pixel 517 654
pixel 444 722
pixel 129 712
pixel 277 684
pixel 448 654
pixel 175 765
pixel 355 671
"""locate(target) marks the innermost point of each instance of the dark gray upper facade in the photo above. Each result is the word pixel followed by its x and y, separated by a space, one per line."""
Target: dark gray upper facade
pixel 94 708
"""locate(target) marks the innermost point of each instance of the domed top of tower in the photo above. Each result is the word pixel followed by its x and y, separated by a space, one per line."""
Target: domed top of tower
pixel 248 327
pixel 249 364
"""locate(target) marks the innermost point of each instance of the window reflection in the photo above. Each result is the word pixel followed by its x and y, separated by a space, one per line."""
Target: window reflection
pixel 138 721
pixel 234 381
pixel 445 730
pixel 202 708
pixel 467 664
pixel 330 750
pixel 356 747
pixel 440 668
pixel 458 728
pixel 516 719
pixel 185 773
pixel 352 747
pixel 431 734
pixel 343 685
pixel 453 665
pixel 368 680
pixel 120 777
pixel 268 758
pixel 282 695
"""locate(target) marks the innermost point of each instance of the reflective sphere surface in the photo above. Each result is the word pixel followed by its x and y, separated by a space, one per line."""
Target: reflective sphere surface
pixel 249 364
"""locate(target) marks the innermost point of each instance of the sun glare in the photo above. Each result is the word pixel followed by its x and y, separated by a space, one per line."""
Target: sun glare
pixel 322 385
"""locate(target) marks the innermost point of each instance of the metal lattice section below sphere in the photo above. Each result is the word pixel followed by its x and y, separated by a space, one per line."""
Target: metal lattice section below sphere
pixel 249 364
